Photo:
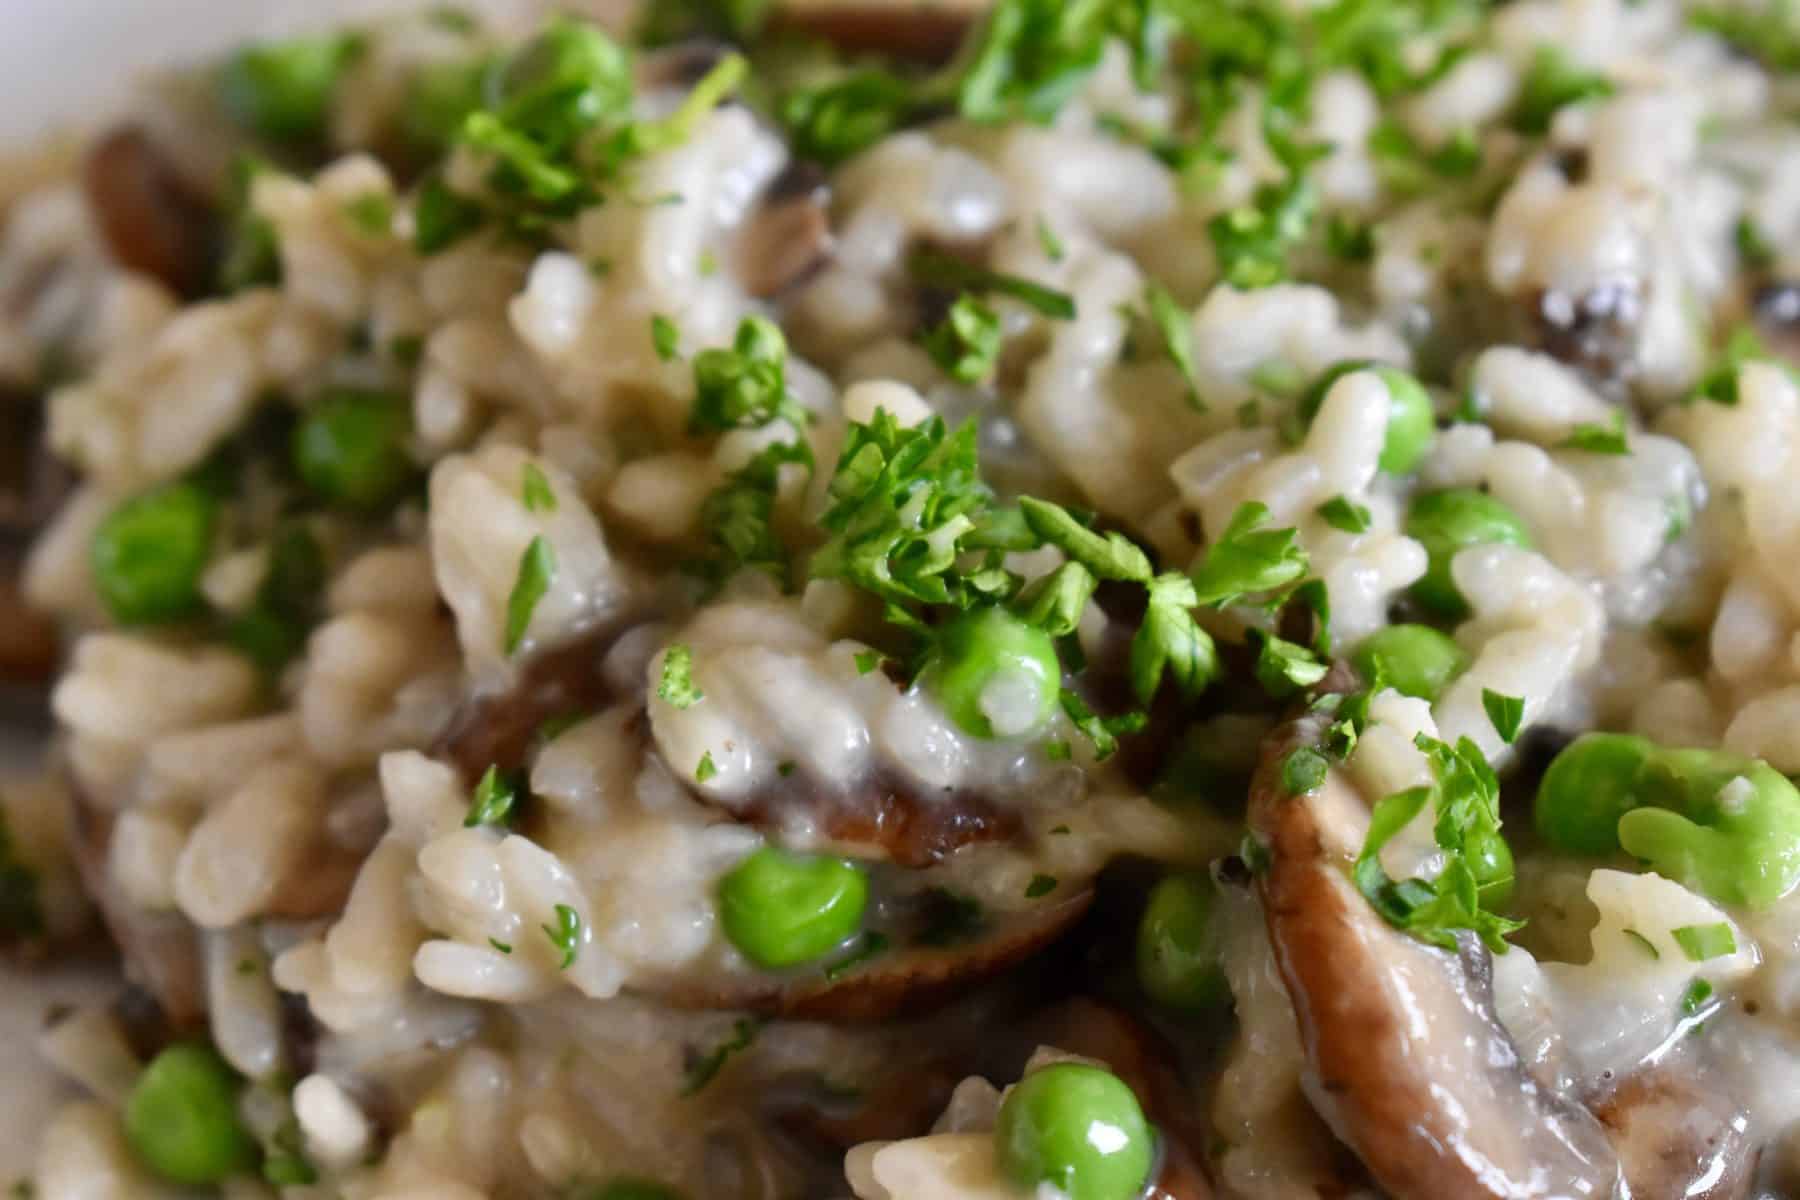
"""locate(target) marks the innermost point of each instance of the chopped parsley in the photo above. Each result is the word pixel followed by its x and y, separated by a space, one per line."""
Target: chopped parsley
pixel 565 935
pixel 537 568
pixel 1504 712
pixel 1752 247
pixel 1643 943
pixel 443 217
pixel 1051 245
pixel 953 274
pixel 867 660
pixel 502 947
pixel 496 798
pixel 535 490
pixel 1703 942
pixel 1284 667
pixel 665 338
pixel 744 386
pixel 703 1068
pixel 705 768
pixel 1465 800
pixel 1340 512
pixel 1040 885
pixel 1103 732
pixel 1596 438
pixel 1177 333
pixel 1253 241
pixel 966 344
pixel 1698 995
pixel 1303 771
pixel 1248 560
pixel 1553 83
pixel 372 213
pixel 677 684
pixel 738 517
pixel 1719 382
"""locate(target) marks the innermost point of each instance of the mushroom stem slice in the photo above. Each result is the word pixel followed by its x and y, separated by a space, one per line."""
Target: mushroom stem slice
pixel 1407 1060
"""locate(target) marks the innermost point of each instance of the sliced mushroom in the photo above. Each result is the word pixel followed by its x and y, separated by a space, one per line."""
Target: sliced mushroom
pixel 788 238
pixel 925 30
pixel 1595 332
pixel 1777 308
pixel 154 220
pixel 162 949
pixel 1676 1137
pixel 912 979
pixel 32 487
pixel 497 729
pixel 1410 1065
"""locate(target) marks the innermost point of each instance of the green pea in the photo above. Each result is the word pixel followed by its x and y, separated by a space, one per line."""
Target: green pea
pixel 182 1119
pixel 351 448
pixel 782 909
pixel 1411 423
pixel 987 663
pixel 1178 945
pixel 1727 825
pixel 147 556
pixel 1447 522
pixel 1077 1128
pixel 282 90
pixel 1587 788
pixel 1414 660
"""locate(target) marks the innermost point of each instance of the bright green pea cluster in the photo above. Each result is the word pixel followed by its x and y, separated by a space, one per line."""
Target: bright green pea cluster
pixel 1077 1128
pixel 1411 423
pixel 1684 812
pixel 182 1120
pixel 148 555
pixel 1414 660
pixel 1450 521
pixel 351 448
pixel 1178 945
pixel 987 648
pixel 782 909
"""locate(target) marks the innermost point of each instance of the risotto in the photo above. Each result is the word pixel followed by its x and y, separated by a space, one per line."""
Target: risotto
pixel 1108 600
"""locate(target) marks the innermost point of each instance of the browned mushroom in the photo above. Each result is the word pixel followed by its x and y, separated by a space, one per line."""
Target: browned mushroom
pixel 1596 332
pixel 1677 1138
pixel 1410 1065
pixel 912 979
pixel 161 950
pixel 925 30
pixel 788 238
pixel 497 729
pixel 154 220
pixel 32 487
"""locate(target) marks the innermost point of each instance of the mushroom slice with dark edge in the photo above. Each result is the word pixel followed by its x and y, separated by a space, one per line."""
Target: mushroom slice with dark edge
pixel 1408 1062
pixel 909 979
pixel 910 830
pixel 162 949
pixel 1676 1137
pixel 154 220
pixel 788 237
